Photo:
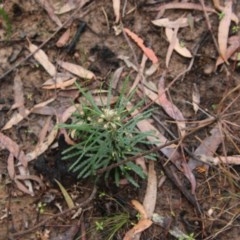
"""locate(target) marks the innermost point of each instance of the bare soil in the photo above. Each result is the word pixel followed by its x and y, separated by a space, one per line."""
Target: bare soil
pixel 217 190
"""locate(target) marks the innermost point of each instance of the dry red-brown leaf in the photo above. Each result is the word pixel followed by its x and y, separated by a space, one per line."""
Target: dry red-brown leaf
pixel 148 51
pixel 142 225
pixel 140 208
pixel 223 29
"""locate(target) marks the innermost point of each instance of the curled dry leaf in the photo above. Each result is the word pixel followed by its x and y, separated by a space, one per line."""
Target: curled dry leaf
pixel 223 29
pixel 77 70
pixel 116 9
pixel 183 51
pixel 42 58
pixel 165 22
pixel 148 51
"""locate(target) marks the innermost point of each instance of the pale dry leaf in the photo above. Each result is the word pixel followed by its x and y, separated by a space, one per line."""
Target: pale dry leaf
pixel 50 10
pixel 10 166
pixel 173 41
pixel 195 98
pixel 15 119
pixel 223 29
pixel 231 160
pixel 61 85
pixel 59 78
pixel 116 77
pixel 22 187
pixel 65 8
pixel 44 130
pixel 18 95
pixel 165 22
pixel 150 197
pixel 41 148
pixel 13 148
pixel 77 70
pixel 183 51
pixel 42 58
pixel 116 9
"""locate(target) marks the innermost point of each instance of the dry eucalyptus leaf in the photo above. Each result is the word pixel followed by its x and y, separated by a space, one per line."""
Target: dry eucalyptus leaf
pixel 42 58
pixel 77 70
pixel 183 51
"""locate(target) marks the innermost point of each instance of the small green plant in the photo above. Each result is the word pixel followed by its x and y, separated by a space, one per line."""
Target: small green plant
pixel 221 15
pixel 4 16
pixel 187 237
pixel 235 29
pixel 106 135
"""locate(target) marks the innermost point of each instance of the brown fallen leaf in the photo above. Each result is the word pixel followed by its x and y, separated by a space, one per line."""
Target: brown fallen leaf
pixel 77 70
pixel 42 58
pixel 223 29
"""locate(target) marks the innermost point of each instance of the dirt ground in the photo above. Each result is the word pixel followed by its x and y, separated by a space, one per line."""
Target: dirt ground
pixel 213 212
